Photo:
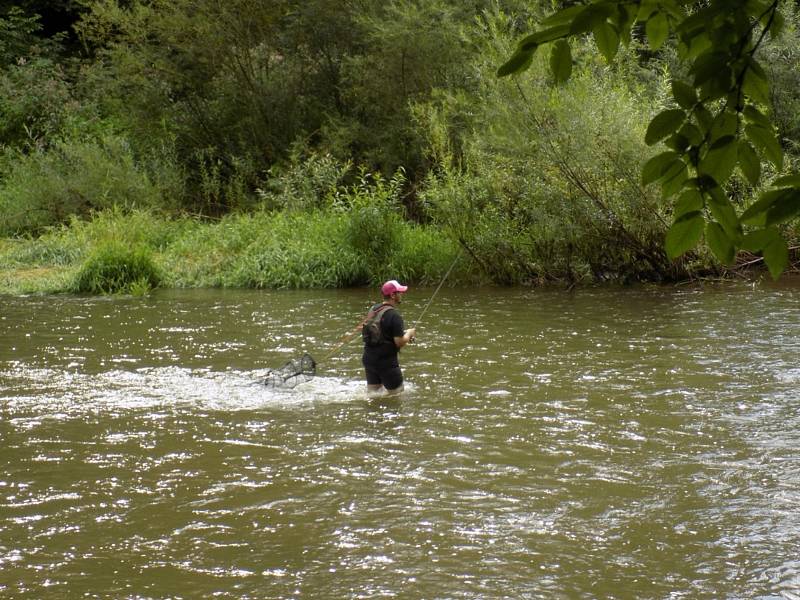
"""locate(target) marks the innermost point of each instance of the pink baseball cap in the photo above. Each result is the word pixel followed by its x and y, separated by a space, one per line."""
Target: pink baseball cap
pixel 392 286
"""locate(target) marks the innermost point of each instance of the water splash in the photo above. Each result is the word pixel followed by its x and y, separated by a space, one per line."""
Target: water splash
pixel 52 391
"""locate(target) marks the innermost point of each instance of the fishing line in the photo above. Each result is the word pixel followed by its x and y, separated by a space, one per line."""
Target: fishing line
pixel 436 291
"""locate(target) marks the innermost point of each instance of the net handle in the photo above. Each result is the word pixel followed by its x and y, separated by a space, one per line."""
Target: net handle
pixel 350 335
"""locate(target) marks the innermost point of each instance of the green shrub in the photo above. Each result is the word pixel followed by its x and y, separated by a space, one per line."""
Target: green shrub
pixel 205 253
pixel 34 93
pixel 118 252
pixel 309 181
pixel 42 251
pixel 422 255
pixel 373 231
pixel 372 207
pixel 73 178
pixel 542 183
pixel 113 268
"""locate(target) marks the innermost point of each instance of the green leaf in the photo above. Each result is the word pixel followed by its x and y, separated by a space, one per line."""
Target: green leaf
pixel 756 117
pixel 607 39
pixel 778 23
pixel 756 84
pixel 673 8
pixel 757 240
pixel 684 94
pixel 755 8
pixel 693 34
pixel 726 123
pixel 624 20
pixel 723 142
pixel 654 168
pixel 708 66
pixel 520 61
pixel 723 211
pixel 720 243
pixel 704 183
pixel 688 202
pixel 543 36
pixel 646 9
pixel 712 74
pixel 766 142
pixel 697 21
pixel 718 86
pixel 584 21
pixel 704 118
pixel 720 160
pixel 691 133
pixel 786 207
pixel 677 142
pixel 756 212
pixel 590 17
pixel 787 181
pixel 772 246
pixel 562 17
pixel 776 255
pixel 749 162
pixel 561 61
pixel 684 234
pixel 664 124
pixel 673 179
pixel 694 44
pixel 657 30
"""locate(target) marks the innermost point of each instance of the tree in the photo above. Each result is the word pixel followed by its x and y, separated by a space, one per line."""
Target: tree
pixel 719 121
pixel 34 93
pixel 56 16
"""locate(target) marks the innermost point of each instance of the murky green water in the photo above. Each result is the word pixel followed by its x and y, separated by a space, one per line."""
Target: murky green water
pixel 638 443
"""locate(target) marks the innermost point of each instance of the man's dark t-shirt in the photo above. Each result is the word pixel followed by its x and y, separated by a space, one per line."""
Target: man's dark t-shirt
pixel 384 355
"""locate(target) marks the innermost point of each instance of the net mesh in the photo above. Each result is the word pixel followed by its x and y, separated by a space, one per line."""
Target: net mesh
pixel 296 371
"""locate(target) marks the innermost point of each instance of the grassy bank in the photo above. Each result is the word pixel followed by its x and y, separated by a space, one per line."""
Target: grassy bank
pixel 137 251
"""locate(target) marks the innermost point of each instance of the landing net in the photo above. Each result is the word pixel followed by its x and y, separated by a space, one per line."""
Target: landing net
pixel 296 371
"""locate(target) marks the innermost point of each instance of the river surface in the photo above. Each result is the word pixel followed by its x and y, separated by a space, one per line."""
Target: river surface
pixel 611 443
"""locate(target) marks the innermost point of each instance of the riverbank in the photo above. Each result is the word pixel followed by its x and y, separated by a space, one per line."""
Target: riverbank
pixel 138 251
pixel 134 252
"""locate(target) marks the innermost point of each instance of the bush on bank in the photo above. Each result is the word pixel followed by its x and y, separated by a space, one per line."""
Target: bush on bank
pixel 49 186
pixel 115 268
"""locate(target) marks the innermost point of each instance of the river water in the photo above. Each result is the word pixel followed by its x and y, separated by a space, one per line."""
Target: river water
pixel 611 443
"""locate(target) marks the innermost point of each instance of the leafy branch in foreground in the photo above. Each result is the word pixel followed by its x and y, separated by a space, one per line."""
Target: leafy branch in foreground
pixel 720 121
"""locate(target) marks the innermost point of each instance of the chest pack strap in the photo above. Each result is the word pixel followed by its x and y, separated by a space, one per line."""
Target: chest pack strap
pixel 374 316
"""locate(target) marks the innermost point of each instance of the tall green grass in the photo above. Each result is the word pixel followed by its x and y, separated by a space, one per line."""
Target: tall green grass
pixel 299 251
pixel 303 250
pixel 118 252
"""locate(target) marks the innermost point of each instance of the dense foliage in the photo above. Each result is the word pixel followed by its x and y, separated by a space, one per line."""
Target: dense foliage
pixel 718 122
pixel 377 131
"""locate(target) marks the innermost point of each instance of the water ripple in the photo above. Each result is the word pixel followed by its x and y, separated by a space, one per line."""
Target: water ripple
pixel 601 444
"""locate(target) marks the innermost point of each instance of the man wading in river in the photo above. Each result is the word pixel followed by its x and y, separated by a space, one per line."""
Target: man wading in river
pixel 384 335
